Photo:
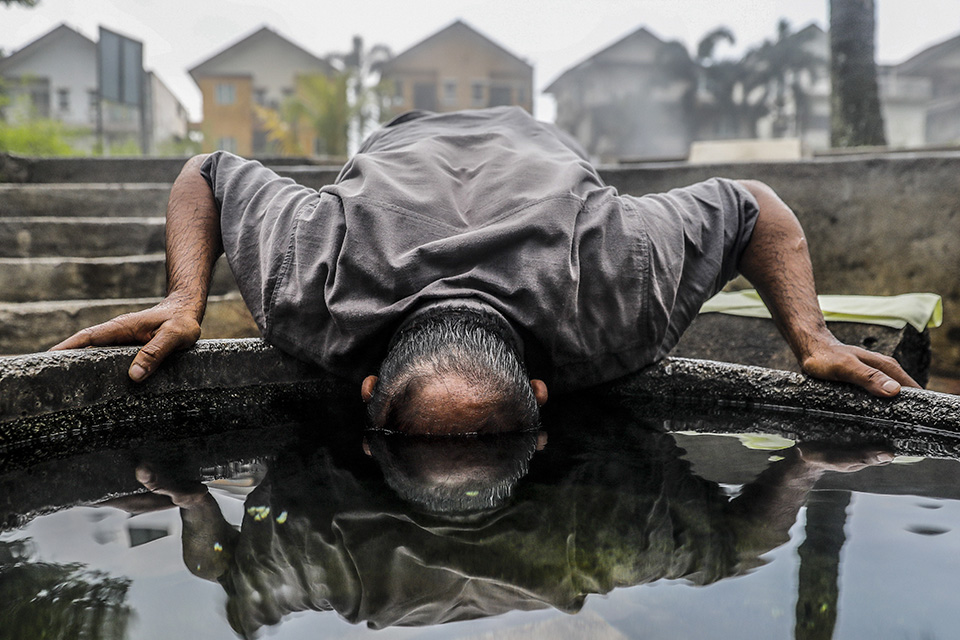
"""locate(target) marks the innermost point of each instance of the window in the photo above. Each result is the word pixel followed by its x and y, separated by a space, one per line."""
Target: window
pixel 398 90
pixel 228 143
pixel 477 97
pixel 425 96
pixel 226 93
pixel 500 95
pixel 260 97
pixel 449 92
pixel 63 100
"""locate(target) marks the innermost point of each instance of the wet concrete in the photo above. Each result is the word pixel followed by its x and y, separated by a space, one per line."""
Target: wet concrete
pixel 45 383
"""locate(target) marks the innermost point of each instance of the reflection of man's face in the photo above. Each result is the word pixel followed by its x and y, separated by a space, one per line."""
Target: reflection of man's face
pixel 454 474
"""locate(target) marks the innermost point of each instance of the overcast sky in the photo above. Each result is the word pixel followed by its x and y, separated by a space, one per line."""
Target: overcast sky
pixel 551 34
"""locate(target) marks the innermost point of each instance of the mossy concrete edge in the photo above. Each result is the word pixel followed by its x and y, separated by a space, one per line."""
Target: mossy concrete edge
pixel 42 383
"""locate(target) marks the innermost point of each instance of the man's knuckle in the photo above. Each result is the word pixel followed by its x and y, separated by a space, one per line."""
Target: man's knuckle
pixel 151 352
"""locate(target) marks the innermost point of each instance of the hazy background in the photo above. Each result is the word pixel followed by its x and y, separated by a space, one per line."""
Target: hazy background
pixel 551 34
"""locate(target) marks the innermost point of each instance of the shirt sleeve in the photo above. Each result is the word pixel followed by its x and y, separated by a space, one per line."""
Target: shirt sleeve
pixel 696 235
pixel 258 212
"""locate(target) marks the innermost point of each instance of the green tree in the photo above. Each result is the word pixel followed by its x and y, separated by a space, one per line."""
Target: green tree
pixel 317 111
pixel 22 3
pixel 367 93
pixel 855 102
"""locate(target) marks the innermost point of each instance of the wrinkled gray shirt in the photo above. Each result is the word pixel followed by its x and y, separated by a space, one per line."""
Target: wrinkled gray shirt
pixel 487 208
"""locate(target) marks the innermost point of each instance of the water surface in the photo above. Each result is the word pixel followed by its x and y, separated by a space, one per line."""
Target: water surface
pixel 634 520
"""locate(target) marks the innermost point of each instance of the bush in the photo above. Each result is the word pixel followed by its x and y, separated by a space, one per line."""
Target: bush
pixel 36 138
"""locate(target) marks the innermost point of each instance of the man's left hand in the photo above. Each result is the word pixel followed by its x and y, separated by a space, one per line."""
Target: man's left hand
pixel 879 374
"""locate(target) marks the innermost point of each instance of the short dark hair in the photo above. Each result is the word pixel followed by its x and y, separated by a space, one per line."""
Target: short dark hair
pixel 453 475
pixel 460 342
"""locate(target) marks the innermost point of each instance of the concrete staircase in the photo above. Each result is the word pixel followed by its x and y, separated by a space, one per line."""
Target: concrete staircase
pixel 82 240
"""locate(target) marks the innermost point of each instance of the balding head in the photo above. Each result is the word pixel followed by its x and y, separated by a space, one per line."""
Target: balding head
pixel 449 372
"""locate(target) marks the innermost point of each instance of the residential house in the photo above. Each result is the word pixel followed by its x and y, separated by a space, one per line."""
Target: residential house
pixel 262 69
pixel 629 100
pixel 458 68
pixel 55 76
pixel 920 97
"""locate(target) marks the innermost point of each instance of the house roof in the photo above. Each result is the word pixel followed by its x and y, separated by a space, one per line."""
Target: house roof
pixel 928 57
pixel 639 33
pixel 50 37
pixel 264 33
pixel 458 29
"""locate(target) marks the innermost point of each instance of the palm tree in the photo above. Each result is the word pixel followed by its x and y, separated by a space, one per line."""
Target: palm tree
pixel 855 103
pixel 780 67
pixel 727 105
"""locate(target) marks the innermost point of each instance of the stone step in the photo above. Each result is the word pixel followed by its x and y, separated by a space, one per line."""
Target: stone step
pixel 36 326
pixel 80 237
pixel 42 279
pixel 55 170
pixel 84 200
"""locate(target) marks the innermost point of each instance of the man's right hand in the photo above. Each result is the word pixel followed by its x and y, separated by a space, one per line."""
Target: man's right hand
pixel 169 326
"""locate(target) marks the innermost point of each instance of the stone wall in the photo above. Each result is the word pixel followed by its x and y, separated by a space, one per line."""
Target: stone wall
pixel 878 225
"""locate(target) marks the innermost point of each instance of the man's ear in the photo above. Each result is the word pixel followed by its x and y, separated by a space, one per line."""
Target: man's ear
pixel 366 447
pixel 539 391
pixel 367 388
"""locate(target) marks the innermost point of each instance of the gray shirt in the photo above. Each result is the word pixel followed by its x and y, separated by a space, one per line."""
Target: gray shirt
pixel 488 208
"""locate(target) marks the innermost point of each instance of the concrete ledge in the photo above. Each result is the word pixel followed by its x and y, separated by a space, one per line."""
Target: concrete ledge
pixel 48 382
pixel 705 382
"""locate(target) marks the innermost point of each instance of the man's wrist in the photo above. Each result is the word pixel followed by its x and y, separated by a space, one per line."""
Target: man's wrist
pixel 189 301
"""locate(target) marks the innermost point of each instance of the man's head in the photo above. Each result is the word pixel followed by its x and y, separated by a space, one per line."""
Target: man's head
pixel 453 371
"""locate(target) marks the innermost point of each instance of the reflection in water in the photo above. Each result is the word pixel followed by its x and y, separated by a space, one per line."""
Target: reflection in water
pixel 608 502
pixel 818 591
pixel 47 600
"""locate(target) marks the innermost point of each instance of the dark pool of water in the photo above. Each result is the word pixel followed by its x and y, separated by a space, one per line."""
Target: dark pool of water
pixel 633 520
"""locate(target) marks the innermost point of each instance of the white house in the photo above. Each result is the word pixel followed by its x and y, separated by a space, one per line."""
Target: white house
pixel 55 76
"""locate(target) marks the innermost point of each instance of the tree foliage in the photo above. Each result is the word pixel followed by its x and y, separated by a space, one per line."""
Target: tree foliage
pixel 22 3
pixel 48 600
pixel 733 95
pixel 36 138
pixel 317 111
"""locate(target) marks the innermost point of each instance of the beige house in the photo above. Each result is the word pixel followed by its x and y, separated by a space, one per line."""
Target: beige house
pixel 261 69
pixel 629 100
pixel 458 68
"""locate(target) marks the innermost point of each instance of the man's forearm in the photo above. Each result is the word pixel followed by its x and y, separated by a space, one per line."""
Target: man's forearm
pixel 193 241
pixel 777 263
